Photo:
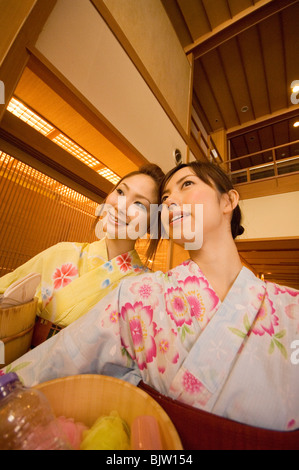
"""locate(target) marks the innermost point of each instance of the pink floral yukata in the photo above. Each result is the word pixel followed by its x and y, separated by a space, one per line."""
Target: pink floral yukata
pixel 238 358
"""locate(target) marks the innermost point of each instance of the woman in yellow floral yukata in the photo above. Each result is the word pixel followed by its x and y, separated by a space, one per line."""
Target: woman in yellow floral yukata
pixel 75 276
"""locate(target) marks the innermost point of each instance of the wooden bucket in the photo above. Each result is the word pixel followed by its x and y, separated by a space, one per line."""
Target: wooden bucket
pixel 87 397
pixel 16 329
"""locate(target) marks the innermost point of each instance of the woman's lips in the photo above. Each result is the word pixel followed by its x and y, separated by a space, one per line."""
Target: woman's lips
pixel 175 217
pixel 116 220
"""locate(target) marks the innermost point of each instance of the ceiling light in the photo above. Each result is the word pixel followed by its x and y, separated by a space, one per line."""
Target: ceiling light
pixel 244 109
pixel 109 175
pixel 295 89
pixel 22 112
pixel 296 124
pixel 34 120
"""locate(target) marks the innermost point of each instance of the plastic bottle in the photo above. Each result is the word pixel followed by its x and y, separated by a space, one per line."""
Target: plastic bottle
pixel 26 418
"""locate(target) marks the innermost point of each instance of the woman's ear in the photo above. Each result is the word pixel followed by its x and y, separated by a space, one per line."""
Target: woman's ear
pixel 231 200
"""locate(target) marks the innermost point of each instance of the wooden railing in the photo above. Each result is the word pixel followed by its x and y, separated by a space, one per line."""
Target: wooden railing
pixel 273 168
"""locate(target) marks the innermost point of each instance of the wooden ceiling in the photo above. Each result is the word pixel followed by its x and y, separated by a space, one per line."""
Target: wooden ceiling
pixel 258 139
pixel 245 59
pixel 246 55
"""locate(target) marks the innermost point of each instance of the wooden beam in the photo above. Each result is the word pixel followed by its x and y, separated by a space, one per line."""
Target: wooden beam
pixel 46 71
pixel 268 244
pixel 130 51
pixel 266 120
pixel 28 140
pixel 15 56
pixel 239 23
pixel 24 157
pixel 265 187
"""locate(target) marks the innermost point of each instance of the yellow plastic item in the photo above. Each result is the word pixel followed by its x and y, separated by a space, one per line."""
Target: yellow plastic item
pixel 107 433
pixel 86 397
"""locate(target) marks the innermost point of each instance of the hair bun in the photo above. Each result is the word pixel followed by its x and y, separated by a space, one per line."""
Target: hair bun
pixel 240 230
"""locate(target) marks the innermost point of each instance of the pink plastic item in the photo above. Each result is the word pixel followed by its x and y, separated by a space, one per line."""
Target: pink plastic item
pixel 73 431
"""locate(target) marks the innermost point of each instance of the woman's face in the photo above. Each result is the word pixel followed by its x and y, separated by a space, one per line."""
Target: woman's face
pixel 127 208
pixel 192 209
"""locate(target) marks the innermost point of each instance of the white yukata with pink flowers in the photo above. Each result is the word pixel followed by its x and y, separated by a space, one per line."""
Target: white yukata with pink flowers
pixel 238 358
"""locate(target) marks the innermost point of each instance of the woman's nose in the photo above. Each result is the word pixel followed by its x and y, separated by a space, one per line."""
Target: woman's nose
pixel 122 207
pixel 171 201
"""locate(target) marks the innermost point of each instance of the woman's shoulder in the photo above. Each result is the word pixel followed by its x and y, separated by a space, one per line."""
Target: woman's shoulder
pixel 158 276
pixel 68 246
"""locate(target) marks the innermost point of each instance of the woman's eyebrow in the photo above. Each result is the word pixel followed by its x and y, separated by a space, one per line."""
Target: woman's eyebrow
pixel 178 182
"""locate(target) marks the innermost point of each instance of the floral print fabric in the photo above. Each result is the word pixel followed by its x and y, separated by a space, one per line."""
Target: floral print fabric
pixel 75 276
pixel 232 358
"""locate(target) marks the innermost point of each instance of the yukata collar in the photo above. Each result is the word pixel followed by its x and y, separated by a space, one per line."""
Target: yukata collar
pixel 244 275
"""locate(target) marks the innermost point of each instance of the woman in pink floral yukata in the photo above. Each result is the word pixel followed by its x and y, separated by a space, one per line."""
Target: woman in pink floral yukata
pixel 75 276
pixel 208 333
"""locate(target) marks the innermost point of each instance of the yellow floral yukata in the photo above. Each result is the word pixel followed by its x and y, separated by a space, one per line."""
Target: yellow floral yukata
pixel 74 277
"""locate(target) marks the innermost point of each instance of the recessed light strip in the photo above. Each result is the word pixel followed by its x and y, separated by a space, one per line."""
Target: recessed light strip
pixel 32 119
pixel 28 116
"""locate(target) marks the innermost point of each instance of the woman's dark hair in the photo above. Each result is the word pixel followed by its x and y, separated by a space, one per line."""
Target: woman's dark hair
pixel 150 169
pixel 214 176
pixel 157 175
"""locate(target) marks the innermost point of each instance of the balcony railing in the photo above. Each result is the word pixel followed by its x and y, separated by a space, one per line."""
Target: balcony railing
pixel 273 168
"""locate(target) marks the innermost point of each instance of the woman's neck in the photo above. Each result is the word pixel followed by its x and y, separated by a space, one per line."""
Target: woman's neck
pixel 220 263
pixel 118 247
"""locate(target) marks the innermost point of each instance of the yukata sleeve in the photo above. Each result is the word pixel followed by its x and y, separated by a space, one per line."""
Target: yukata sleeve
pixel 33 265
pixel 87 346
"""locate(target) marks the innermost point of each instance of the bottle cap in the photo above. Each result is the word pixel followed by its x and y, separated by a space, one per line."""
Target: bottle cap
pixel 8 378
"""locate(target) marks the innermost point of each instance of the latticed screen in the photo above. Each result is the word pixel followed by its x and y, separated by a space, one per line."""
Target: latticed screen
pixel 37 211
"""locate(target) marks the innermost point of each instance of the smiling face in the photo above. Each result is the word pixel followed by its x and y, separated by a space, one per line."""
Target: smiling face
pixel 183 195
pixel 127 208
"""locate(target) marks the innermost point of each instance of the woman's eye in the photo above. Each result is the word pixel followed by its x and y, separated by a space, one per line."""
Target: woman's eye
pixel 140 205
pixel 163 199
pixel 187 183
pixel 119 191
